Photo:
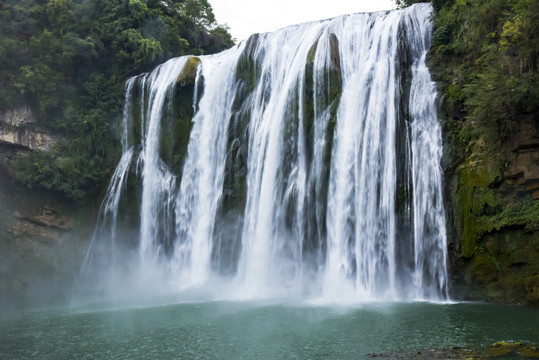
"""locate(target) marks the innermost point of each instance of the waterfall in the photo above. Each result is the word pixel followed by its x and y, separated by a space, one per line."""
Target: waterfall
pixel 303 162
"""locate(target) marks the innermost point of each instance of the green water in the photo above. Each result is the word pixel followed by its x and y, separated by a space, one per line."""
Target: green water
pixel 243 330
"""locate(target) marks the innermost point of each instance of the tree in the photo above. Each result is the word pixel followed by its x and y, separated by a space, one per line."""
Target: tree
pixel 72 72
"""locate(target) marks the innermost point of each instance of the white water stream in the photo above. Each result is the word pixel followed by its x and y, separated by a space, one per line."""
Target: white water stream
pixel 311 169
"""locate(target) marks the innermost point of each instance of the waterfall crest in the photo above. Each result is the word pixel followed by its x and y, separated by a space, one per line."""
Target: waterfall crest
pixel 304 162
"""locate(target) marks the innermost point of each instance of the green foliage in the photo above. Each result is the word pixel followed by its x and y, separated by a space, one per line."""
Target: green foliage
pixel 404 3
pixel 484 54
pixel 66 170
pixel 524 213
pixel 489 105
pixel 69 59
pixel 436 4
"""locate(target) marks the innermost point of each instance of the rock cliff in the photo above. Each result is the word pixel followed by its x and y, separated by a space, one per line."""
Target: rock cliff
pixel 42 236
pixel 19 127
pixel 493 211
pixel 522 159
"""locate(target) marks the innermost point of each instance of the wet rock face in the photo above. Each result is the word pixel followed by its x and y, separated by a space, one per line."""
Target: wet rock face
pixel 493 209
pixel 41 235
pixel 45 222
pixel 522 165
pixel 19 127
pixel 36 237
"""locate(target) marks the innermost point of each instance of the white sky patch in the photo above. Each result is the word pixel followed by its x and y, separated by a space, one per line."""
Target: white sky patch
pixel 246 17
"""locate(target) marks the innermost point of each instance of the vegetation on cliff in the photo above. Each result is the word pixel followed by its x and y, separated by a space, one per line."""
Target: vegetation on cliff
pixel 69 59
pixel 485 56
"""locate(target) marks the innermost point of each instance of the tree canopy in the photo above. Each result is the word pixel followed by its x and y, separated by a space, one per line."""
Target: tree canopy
pixel 69 59
pixel 485 55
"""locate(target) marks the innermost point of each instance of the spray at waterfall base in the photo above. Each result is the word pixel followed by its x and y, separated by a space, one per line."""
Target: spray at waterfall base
pixel 304 162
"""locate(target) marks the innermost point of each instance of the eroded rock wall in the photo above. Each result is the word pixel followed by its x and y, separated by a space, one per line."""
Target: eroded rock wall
pixel 492 202
pixel 43 237
pixel 19 127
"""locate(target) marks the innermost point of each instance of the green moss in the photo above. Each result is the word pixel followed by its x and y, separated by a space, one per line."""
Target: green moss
pixel 524 213
pixel 330 79
pixel 467 135
pixel 189 72
pixel 475 197
pixel 504 266
pixel 234 186
pixel 482 269
pixel 502 348
pixel 312 53
pixel 531 284
pixel 176 128
pixel 508 289
pixel 248 69
pixel 503 343
pixel 334 76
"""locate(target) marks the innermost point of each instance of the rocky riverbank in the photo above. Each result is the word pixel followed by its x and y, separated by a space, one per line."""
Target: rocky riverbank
pixel 494 351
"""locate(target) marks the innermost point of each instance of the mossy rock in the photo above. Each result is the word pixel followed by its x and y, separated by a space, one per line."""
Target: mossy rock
pixel 482 269
pixel 476 197
pixel 507 290
pixel 331 79
pixel 499 240
pixel 505 267
pixel 513 247
pixel 312 52
pixel 176 128
pixel 189 72
pixel 503 349
pixel 335 68
pixel 531 286
pixel 498 350
pixel 248 69
pixel 247 75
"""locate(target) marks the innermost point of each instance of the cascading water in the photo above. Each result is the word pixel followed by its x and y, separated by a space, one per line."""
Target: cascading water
pixel 300 162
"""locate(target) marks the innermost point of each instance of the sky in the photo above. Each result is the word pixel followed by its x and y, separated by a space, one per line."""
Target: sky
pixel 246 17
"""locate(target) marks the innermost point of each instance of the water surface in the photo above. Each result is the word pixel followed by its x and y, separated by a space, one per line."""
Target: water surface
pixel 257 330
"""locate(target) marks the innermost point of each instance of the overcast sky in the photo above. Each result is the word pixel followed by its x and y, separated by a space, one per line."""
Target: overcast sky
pixel 245 17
